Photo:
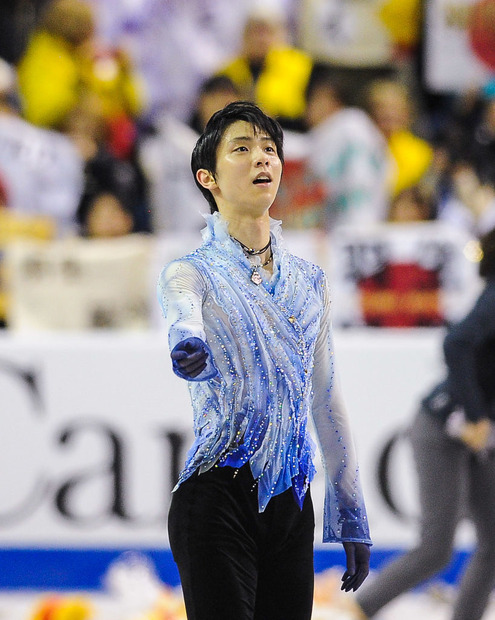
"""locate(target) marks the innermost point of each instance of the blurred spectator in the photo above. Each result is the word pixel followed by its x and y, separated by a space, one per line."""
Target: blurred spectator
pixel 106 215
pixel 63 62
pixel 105 175
pixel 459 116
pixel 411 205
pixel 389 103
pixel 268 70
pixel 347 152
pixel 176 203
pixel 482 151
pixel 176 45
pixel 215 93
pixel 41 171
pixel 16 20
pixel 470 204
pixel 465 178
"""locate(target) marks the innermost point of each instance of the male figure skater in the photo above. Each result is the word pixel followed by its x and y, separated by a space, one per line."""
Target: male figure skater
pixel 249 329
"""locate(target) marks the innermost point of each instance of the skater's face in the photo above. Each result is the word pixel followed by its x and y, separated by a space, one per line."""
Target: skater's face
pixel 248 171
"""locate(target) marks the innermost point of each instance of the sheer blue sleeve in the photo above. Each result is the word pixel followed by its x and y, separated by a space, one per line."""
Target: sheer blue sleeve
pixel 345 516
pixel 181 289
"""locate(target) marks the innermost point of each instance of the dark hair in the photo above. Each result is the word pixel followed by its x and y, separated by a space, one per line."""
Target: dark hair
pixel 487 262
pixel 217 83
pixel 72 20
pixel 204 154
pixel 106 175
pixel 325 76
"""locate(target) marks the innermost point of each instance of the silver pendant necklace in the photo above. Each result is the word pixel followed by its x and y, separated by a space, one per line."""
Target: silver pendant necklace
pixel 256 275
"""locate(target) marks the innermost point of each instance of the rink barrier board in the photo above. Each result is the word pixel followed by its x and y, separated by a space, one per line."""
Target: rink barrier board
pixel 72 403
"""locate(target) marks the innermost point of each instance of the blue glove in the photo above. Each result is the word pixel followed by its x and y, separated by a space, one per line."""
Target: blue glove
pixel 358 565
pixel 189 358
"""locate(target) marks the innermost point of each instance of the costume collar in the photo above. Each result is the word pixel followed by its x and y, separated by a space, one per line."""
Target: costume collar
pixel 216 230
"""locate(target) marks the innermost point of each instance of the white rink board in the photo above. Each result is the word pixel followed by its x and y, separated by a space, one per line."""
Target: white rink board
pixel 104 403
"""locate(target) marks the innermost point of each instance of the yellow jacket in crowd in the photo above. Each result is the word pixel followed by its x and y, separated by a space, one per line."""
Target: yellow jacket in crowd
pixel 412 156
pixel 53 76
pixel 280 88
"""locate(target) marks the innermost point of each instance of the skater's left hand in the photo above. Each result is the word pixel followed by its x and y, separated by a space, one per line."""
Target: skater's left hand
pixel 358 565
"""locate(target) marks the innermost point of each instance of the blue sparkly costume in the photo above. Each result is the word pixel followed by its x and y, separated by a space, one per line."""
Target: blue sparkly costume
pixel 270 366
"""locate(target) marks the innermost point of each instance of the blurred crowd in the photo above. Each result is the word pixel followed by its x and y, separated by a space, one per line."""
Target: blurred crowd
pixel 102 101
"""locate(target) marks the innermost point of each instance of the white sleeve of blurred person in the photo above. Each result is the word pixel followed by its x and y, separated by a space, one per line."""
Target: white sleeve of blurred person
pixel 349 154
pixel 177 204
pixel 61 181
pixel 41 169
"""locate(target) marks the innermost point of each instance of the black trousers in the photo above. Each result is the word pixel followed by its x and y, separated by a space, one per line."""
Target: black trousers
pixel 236 563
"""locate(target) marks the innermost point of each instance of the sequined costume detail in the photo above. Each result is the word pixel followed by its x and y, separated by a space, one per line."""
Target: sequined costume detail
pixel 271 366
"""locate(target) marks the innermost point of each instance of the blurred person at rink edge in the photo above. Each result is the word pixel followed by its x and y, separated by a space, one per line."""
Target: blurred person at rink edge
pixel 347 152
pixel 41 171
pixel 249 329
pixel 453 441
pixel 64 62
pixel 389 104
pixel 104 173
pixel 166 160
pixel 268 70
